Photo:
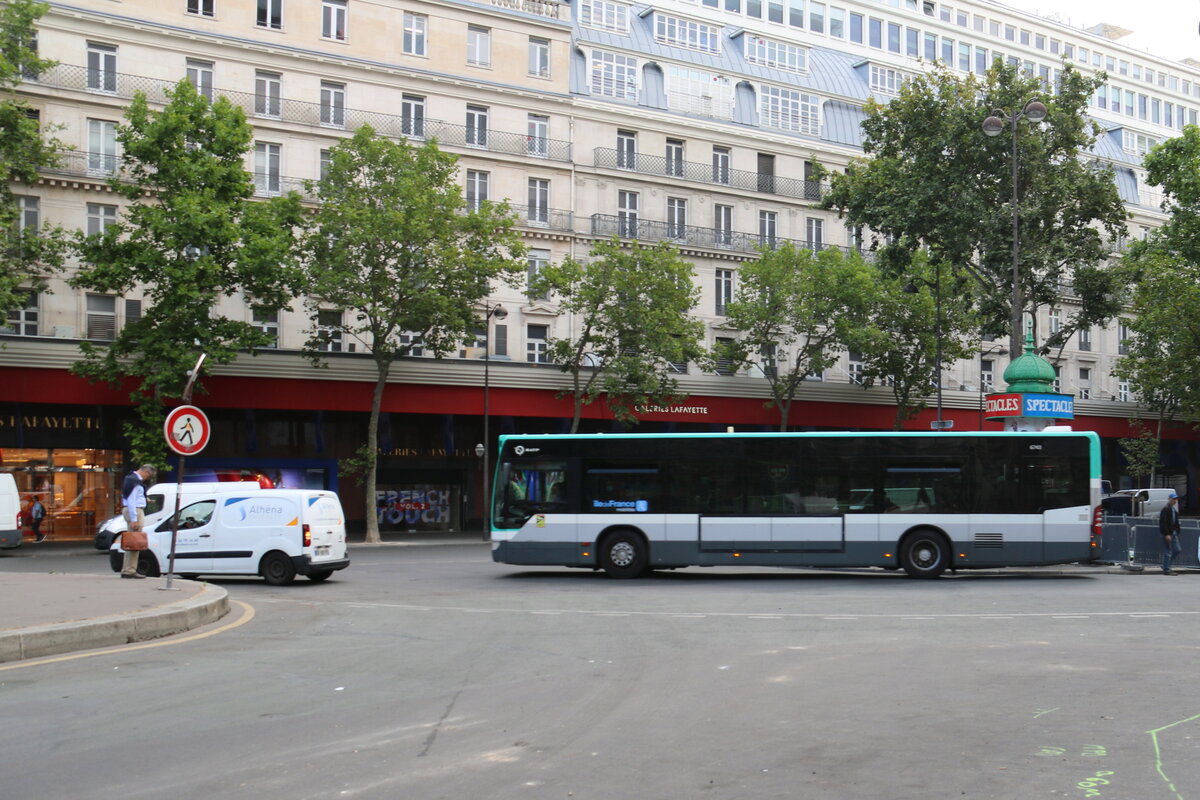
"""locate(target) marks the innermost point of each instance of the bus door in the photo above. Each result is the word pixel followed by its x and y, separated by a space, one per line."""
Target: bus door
pixel 1055 487
pixel 806 506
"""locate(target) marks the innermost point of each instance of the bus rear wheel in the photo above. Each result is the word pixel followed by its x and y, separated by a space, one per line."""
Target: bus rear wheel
pixel 925 554
pixel 624 555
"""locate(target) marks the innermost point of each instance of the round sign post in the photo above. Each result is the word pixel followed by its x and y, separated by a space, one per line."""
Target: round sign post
pixel 187 431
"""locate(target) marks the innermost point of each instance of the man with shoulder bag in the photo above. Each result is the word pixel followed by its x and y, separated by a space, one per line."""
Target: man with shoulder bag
pixel 1168 526
pixel 133 497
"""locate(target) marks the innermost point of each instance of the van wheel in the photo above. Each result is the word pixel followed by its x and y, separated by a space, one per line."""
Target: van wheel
pixel 147 564
pixel 624 555
pixel 320 575
pixel 277 569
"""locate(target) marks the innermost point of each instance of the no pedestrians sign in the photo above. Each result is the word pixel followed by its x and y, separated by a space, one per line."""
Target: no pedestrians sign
pixel 187 430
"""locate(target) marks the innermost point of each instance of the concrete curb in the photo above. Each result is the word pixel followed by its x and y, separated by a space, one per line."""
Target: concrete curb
pixel 38 641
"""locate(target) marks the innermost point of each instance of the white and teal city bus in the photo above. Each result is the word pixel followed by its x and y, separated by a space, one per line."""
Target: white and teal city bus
pixel 628 503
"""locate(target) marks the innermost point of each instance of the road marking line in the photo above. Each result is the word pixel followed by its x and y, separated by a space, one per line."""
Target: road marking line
pixel 247 615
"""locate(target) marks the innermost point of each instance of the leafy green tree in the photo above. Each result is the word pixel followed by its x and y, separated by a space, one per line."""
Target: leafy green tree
pixel 394 249
pixel 794 311
pixel 631 308
pixel 900 345
pixel 27 256
pixel 933 180
pixel 1142 452
pixel 190 237
pixel 1163 359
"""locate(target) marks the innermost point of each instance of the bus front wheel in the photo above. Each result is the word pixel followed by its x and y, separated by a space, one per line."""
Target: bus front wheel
pixel 925 554
pixel 624 555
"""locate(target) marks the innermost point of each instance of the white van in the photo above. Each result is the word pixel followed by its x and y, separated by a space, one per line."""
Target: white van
pixel 275 533
pixel 160 503
pixel 10 510
pixel 1152 500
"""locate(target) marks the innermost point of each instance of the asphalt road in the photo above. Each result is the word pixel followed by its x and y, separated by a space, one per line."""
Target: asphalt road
pixel 433 673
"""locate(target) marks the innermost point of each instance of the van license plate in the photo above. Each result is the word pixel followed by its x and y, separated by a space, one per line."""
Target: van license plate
pixel 323 550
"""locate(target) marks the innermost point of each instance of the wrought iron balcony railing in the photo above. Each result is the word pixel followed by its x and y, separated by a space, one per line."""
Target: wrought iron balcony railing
pixel 711 174
pixel 272 107
pixel 645 230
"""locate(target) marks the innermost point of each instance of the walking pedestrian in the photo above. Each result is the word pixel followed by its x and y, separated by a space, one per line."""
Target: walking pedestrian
pixel 37 513
pixel 133 497
pixel 1168 526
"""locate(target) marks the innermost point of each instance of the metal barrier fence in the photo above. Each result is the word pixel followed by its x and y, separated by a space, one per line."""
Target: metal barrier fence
pixel 1136 540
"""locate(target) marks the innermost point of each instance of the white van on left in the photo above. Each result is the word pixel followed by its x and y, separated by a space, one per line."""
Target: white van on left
pixel 10 511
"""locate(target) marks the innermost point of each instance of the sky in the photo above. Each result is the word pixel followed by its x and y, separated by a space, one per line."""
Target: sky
pixel 1166 28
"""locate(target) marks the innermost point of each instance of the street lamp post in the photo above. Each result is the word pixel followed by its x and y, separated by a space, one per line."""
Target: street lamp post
pixel 1034 111
pixel 498 311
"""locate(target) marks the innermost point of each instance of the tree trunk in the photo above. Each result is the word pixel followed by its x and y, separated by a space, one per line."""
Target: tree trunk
pixel 577 400
pixel 785 408
pixel 382 368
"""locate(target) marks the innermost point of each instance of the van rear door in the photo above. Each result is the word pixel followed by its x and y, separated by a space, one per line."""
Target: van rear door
pixel 326 527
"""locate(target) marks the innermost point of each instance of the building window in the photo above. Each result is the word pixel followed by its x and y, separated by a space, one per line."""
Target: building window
pixel 28 214
pixel 333 104
pixel 1085 338
pixel 676 218
pixel 101 317
pixel 614 75
pixel 535 261
pixel 537 142
pixel 329 330
pixel 686 33
pixel 724 291
pixel 268 99
pixel 102 147
pixel 695 91
pixel 200 73
pixel 102 68
pixel 768 225
pixel 604 15
pixel 23 321
pixel 1085 383
pixel 537 346
pixel 539 57
pixel 204 8
pixel 270 14
pixel 815 231
pixel 477 126
pixel 724 364
pixel 720 164
pixel 266 168
pixel 855 366
pixel 479 46
pixel 412 116
pixel 722 225
pixel 1123 394
pixel 266 321
pixel 333 19
pixel 325 159
pixel 1123 339
pixel 1135 143
pixel 789 110
pixel 887 81
pixel 627 214
pixel 1057 383
pixel 674 158
pixel 100 217
pixel 477 188
pixel 1055 321
pixel 415 26
pixel 987 374
pixel 626 149
pixel 538 210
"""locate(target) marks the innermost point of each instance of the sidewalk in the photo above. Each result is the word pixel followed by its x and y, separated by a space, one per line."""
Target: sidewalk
pixel 46 614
